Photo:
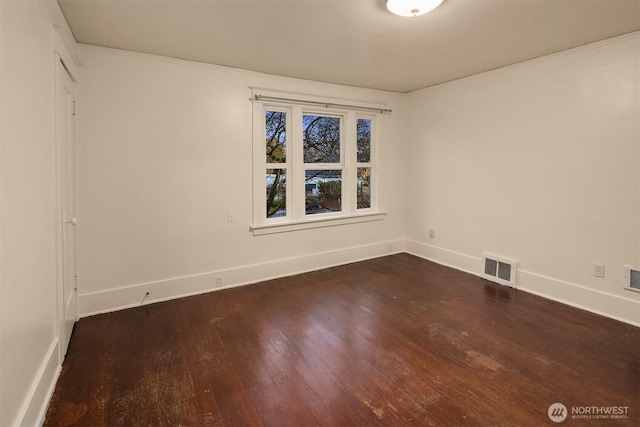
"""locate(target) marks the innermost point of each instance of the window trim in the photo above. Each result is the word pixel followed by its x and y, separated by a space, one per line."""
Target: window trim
pixel 296 217
pixel 282 227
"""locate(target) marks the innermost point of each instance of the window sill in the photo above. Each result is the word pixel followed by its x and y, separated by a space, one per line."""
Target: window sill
pixel 284 227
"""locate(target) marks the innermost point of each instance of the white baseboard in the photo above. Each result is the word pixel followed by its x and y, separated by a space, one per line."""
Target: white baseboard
pixel 123 297
pixel 446 257
pixel 625 310
pixel 598 302
pixel 34 407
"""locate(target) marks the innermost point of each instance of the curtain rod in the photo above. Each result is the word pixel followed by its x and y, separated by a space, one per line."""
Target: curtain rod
pixel 324 104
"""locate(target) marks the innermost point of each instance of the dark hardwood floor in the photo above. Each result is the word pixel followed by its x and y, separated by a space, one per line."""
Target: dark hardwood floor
pixel 392 341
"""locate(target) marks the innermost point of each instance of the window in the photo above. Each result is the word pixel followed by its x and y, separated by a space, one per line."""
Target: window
pixel 323 165
pixel 312 164
pixel 275 123
pixel 363 134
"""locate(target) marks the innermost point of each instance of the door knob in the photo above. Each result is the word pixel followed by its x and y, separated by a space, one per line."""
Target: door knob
pixel 72 221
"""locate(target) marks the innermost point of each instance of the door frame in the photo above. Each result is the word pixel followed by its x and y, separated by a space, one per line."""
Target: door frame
pixel 66 55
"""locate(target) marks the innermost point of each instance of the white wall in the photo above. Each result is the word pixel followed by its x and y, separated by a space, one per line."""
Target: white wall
pixel 28 333
pixel 537 162
pixel 165 150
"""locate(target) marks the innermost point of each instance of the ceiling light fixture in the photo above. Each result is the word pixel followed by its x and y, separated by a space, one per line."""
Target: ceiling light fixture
pixel 412 7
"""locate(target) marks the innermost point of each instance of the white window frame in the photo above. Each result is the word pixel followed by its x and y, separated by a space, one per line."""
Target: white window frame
pixel 370 164
pixel 300 176
pixel 296 217
pixel 285 165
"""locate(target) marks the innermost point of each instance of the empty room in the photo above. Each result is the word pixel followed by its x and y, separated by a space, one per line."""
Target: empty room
pixel 319 212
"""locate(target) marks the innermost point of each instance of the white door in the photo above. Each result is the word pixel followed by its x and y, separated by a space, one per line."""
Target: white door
pixel 65 142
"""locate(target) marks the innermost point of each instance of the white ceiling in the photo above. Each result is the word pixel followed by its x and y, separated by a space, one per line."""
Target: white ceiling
pixel 351 42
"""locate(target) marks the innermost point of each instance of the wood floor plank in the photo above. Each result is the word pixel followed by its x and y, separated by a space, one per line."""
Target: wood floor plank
pixel 393 341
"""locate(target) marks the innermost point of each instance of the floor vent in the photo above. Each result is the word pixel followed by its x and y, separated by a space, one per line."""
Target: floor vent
pixel 500 269
pixel 632 278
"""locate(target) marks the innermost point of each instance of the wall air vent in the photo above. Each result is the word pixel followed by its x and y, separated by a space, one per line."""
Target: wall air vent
pixel 632 278
pixel 499 269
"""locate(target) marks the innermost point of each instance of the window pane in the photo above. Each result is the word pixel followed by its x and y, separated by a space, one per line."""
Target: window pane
pixel 364 140
pixel 276 136
pixel 364 188
pixel 321 139
pixel 323 190
pixel 276 193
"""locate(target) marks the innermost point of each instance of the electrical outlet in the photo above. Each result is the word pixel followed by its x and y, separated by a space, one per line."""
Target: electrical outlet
pixel 218 281
pixel 432 233
pixel 598 270
pixel 231 216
